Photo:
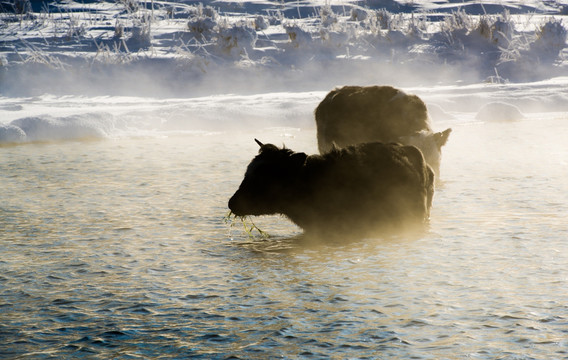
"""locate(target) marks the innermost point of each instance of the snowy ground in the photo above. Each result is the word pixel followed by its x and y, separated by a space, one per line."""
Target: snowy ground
pixel 184 47
pixel 69 58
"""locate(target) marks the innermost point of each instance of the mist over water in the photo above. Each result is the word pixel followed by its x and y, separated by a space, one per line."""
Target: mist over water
pixel 118 248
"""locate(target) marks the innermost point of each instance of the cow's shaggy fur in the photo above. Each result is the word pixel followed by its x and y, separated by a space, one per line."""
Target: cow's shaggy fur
pixel 357 190
pixel 359 114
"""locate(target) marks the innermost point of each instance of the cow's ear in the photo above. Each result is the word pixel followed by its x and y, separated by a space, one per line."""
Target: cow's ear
pixel 442 137
pixel 261 145
pixel 298 159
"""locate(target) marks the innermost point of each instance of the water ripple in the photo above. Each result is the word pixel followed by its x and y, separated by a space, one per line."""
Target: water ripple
pixel 118 250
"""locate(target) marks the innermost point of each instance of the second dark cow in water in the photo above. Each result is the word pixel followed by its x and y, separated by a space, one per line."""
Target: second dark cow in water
pixel 358 190
pixel 359 114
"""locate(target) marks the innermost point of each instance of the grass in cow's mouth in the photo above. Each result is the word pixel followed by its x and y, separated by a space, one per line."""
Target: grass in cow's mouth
pixel 248 225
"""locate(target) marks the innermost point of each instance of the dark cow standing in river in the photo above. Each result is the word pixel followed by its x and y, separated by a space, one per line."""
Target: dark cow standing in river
pixel 357 190
pixel 359 114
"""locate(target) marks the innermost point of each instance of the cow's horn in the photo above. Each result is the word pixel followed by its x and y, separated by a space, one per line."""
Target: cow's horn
pixel 259 143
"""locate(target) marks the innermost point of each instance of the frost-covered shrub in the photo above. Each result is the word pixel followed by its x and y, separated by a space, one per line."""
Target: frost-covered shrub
pixel 130 5
pixel 485 41
pixel 277 19
pixel 458 20
pixel 201 26
pixel 372 24
pixel 417 28
pixel 118 30
pixel 483 28
pixel 502 31
pixel 551 38
pixel 298 37
pixel 384 19
pixel 328 17
pixel 208 11
pixel 236 40
pixel 203 21
pixel 337 39
pixel 453 32
pixel 260 23
pixel 333 32
pixel 358 14
pixel 530 61
pixel 493 35
pixel 141 34
pixel 75 30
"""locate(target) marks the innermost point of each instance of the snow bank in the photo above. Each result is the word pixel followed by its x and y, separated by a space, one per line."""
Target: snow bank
pixel 499 112
pixel 11 134
pixel 24 120
pixel 49 128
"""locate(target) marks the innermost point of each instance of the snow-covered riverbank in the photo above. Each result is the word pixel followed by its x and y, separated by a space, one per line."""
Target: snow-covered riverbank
pixel 185 48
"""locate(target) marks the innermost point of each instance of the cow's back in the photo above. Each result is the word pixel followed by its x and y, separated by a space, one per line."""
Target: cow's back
pixel 367 187
pixel 355 114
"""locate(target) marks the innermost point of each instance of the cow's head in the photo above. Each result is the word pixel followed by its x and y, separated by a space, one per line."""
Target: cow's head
pixel 269 183
pixel 431 146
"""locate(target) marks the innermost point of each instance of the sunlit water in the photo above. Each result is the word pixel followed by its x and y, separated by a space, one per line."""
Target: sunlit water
pixel 118 249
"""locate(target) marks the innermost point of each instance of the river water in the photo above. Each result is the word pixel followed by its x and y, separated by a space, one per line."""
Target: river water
pixel 118 248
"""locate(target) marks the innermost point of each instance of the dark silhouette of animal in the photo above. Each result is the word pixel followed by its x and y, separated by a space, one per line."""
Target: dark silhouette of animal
pixel 357 191
pixel 359 114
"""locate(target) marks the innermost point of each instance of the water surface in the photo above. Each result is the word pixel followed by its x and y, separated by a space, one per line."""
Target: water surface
pixel 118 249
